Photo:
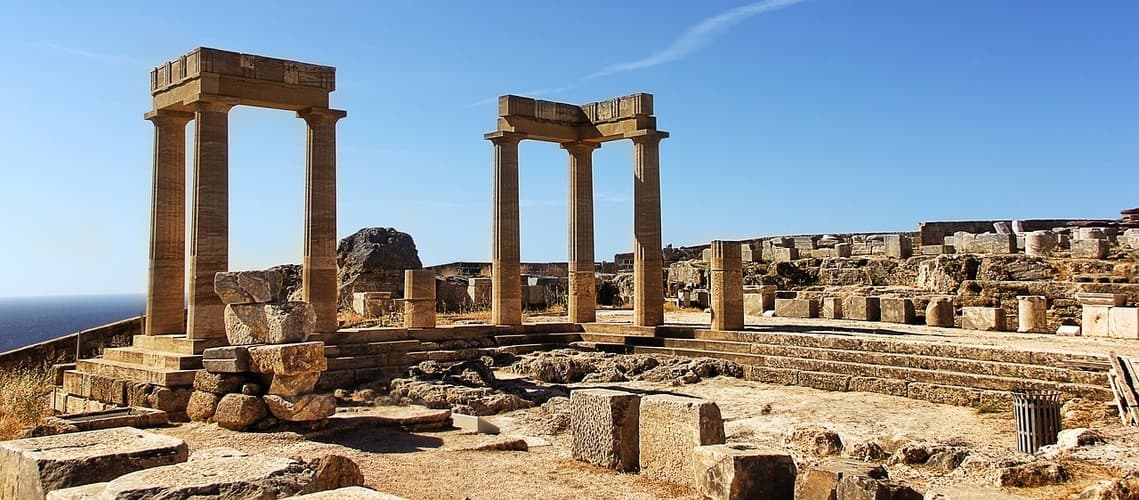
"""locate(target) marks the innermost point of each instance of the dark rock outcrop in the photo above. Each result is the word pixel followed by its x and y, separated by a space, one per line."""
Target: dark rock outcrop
pixel 373 260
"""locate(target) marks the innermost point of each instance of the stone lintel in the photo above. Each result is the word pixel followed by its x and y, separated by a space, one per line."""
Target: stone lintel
pixel 204 61
pixel 609 110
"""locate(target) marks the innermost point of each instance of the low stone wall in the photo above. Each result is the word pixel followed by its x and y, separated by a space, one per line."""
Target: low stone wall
pixel 87 343
pixel 934 232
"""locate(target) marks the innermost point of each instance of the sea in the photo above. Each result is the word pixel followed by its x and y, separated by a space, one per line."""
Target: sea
pixel 28 320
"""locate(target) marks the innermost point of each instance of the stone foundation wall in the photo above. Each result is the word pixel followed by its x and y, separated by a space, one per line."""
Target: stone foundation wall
pixel 87 343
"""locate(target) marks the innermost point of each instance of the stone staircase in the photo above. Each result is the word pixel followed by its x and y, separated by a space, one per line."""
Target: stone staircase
pixel 949 373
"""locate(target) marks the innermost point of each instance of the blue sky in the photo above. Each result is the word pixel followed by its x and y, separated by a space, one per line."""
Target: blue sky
pixel 786 117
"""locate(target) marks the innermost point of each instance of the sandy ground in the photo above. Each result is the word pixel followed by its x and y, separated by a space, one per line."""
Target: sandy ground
pixel 433 464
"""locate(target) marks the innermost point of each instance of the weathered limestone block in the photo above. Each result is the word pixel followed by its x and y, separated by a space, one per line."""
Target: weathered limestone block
pixel 939 312
pixel 604 427
pixel 1090 249
pixel 202 406
pixel 759 298
pixel 862 308
pixel 1069 331
pixel 1096 321
pixel 372 304
pixel 249 287
pixel 897 310
pixel 727 473
pixel 821 481
pixel 288 359
pixel 843 250
pixel 228 359
pixel 1123 322
pixel 991 319
pixel 832 307
pixel 899 246
pixel 1040 243
pixel 671 428
pixel 868 488
pixel 994 243
pixel 30 468
pixel 301 409
pixel 797 308
pixel 292 385
pixel 419 298
pixel 218 383
pixel 276 323
pixel 1032 314
pixel 1101 299
pixel 237 412
pixel 779 254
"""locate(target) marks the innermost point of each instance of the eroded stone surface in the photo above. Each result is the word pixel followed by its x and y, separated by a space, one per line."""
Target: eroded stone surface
pixel 288 359
pixel 29 468
pixel 249 287
pixel 202 406
pixel 604 427
pixel 724 472
pixel 275 323
pixel 239 411
pixel 671 428
pixel 303 408
pixel 353 492
pixel 821 481
pixel 292 385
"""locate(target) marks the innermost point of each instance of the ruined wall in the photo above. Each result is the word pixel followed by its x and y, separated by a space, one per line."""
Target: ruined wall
pixel 88 343
pixel 934 232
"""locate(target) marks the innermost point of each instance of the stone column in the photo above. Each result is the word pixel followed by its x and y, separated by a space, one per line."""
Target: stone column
pixel 648 264
pixel 1032 312
pixel 505 263
pixel 209 240
pixel 727 284
pixel 318 275
pixel 419 298
pixel 939 312
pixel 582 292
pixel 166 284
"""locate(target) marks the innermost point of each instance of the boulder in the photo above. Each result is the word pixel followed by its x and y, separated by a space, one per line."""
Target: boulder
pixel 868 451
pixel 291 385
pixel 218 383
pixel 373 260
pixel 857 487
pixel 275 323
pixel 353 492
pixel 249 287
pixel 302 409
pixel 332 472
pixel 822 481
pixel 237 412
pixel 816 441
pixel 1031 474
pixel 202 406
pixel 288 359
pixel 29 468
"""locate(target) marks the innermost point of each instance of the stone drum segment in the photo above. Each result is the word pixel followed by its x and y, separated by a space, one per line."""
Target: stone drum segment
pixel 604 427
pixel 671 428
pixel 727 286
pixel 939 312
pixel 1032 314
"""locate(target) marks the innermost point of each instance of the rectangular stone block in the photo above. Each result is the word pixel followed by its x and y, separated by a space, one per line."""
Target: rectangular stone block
pixel 821 481
pixel 758 299
pixel 781 254
pixel 1090 249
pixel 1123 322
pixel 29 468
pixel 832 307
pixel 228 359
pixel 862 308
pixel 990 319
pixel 372 304
pixel 1096 321
pixel 288 359
pixel 899 246
pixel 727 473
pixel 1101 299
pixel 604 428
pixel 994 243
pixel 671 428
pixel 797 308
pixel 897 310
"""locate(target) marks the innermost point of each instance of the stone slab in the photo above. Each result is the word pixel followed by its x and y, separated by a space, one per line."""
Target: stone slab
pixel 604 426
pixel 671 428
pixel 288 359
pixel 797 308
pixel 862 308
pixel 1101 299
pixel 475 424
pixel 727 473
pixel 351 492
pixel 1123 322
pixel 301 409
pixel 897 310
pixel 1096 321
pixel 821 481
pixel 990 319
pixel 29 468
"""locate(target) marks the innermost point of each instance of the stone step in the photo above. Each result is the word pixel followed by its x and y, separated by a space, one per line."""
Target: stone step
pixel 176 343
pixel 360 336
pixel 331 380
pixel 605 338
pixel 153 359
pixel 528 348
pixel 539 338
pixel 531 328
pixel 137 373
pixel 369 348
pixel 935 393
pixel 619 329
pixel 358 362
pixel 996 368
pixel 908 375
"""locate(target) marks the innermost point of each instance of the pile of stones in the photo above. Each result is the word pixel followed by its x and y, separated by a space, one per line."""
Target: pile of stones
pixel 266 375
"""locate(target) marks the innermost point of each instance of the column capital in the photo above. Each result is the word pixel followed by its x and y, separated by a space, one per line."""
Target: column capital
pixel 166 117
pixel 501 137
pixel 577 147
pixel 318 115
pixel 646 136
pixel 212 104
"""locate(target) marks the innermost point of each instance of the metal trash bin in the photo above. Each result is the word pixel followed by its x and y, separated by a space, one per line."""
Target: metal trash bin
pixel 1037 418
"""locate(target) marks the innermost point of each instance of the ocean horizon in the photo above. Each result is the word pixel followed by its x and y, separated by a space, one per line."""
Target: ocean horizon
pixel 28 320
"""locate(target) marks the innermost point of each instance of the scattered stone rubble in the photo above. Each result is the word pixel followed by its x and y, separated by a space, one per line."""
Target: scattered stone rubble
pixel 565 366
pixel 267 373
pixel 468 387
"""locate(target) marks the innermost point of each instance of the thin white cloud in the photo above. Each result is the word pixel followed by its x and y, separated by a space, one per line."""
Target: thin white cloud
pixel 696 37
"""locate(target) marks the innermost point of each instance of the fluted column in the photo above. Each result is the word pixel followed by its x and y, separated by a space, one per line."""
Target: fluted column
pixel 209 243
pixel 582 290
pixel 318 274
pixel 727 285
pixel 648 264
pixel 506 267
pixel 166 283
